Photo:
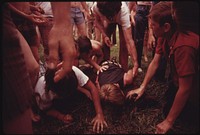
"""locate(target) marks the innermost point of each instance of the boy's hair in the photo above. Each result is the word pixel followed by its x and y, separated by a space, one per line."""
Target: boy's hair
pixel 161 13
pixel 109 9
pixel 65 87
pixel 187 15
pixel 84 44
pixel 112 93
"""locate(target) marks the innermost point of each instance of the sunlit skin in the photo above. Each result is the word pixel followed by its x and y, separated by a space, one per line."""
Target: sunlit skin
pixel 61 40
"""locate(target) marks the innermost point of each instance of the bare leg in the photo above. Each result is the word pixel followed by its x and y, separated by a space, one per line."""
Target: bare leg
pixel 82 29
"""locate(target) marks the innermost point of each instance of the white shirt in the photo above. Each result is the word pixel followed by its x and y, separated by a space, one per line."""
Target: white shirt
pixel 46 6
pixel 44 99
pixel 122 18
pixel 81 77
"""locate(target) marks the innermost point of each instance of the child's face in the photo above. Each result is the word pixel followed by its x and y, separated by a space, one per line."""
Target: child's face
pixel 157 29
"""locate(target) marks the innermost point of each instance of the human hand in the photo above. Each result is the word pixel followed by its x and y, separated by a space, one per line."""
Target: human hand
pixel 37 19
pixel 60 41
pixel 163 127
pixel 107 41
pixel 37 9
pixel 151 43
pixel 137 93
pixel 102 68
pixel 98 123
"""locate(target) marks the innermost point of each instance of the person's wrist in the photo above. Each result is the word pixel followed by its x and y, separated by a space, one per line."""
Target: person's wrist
pixel 142 87
pixel 99 114
pixel 169 121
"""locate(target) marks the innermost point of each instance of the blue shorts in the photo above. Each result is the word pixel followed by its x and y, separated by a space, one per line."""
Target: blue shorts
pixel 77 16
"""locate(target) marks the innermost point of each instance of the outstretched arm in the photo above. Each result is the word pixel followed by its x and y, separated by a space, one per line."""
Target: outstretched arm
pixel 85 91
pixel 150 72
pixel 98 121
pixel 185 87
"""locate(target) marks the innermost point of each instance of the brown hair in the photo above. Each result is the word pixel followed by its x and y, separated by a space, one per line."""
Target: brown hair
pixel 161 13
pixel 64 87
pixel 112 93
pixel 84 44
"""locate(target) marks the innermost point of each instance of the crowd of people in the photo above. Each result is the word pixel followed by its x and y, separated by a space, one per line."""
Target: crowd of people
pixel 71 31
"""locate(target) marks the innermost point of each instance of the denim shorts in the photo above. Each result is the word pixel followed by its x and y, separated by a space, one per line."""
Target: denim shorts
pixel 77 16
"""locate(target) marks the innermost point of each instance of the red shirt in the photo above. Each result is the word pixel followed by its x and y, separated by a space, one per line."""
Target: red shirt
pixel 183 53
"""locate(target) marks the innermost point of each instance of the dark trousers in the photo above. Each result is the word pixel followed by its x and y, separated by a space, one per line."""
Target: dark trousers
pixel 141 24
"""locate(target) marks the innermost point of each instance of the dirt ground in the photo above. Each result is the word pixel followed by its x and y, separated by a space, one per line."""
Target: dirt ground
pixel 133 118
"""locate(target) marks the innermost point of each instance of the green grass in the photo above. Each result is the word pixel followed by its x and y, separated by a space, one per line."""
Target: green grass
pixel 114 50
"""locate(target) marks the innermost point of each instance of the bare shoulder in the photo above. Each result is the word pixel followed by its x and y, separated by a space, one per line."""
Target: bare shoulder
pixel 96 45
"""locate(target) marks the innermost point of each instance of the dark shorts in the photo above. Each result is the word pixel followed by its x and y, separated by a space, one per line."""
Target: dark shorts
pixel 27 29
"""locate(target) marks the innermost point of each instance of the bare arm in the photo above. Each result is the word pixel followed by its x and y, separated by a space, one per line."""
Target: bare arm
pixel 149 74
pixel 99 25
pixel 86 10
pixel 98 121
pixel 132 8
pixel 185 87
pixel 84 5
pixel 151 39
pixel 97 47
pixel 31 17
pixel 90 61
pixel 85 91
pixel 61 40
pixel 131 49
pixel 14 9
